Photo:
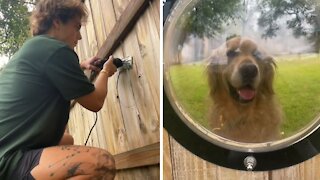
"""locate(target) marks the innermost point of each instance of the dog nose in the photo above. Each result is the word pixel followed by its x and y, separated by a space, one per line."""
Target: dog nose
pixel 248 71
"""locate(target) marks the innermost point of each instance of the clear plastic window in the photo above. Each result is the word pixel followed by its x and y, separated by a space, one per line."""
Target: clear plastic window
pixel 245 74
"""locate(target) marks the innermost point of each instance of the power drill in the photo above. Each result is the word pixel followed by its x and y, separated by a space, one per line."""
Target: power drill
pixel 123 64
pixel 116 61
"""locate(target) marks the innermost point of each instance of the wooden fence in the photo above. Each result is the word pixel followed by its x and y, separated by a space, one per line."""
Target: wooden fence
pixel 180 164
pixel 128 125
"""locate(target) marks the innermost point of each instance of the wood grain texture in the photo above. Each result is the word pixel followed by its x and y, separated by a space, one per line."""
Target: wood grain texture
pixel 167 165
pixel 186 166
pixel 144 173
pixel 122 27
pixel 130 117
pixel 144 156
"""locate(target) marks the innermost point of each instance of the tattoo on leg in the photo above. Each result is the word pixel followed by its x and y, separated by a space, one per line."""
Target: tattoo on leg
pixel 72 170
pixel 76 151
pixel 103 163
pixel 108 164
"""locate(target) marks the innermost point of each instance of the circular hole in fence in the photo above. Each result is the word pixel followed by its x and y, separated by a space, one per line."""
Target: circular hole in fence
pixel 243 75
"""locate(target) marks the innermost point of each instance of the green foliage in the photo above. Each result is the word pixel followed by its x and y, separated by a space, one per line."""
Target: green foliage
pixel 303 17
pixel 14 24
pixel 296 86
pixel 208 16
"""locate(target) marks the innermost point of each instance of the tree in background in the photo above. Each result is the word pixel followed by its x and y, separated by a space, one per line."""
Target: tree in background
pixel 208 16
pixel 302 16
pixel 14 24
pixel 205 19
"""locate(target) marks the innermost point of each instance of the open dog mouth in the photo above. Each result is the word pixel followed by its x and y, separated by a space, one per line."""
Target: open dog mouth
pixel 244 94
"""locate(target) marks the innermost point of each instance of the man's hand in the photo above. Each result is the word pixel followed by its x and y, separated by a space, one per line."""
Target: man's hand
pixel 90 64
pixel 95 100
pixel 109 67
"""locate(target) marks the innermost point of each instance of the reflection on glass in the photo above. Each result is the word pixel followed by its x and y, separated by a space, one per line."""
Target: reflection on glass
pixel 246 70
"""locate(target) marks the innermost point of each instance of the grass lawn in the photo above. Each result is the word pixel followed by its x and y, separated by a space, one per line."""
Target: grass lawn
pixel 297 86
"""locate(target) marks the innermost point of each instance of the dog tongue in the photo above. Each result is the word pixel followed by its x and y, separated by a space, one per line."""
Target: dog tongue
pixel 246 93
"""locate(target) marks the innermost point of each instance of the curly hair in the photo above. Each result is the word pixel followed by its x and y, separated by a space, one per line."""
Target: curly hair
pixel 46 11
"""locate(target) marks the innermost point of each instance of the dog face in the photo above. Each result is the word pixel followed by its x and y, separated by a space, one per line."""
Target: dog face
pixel 246 73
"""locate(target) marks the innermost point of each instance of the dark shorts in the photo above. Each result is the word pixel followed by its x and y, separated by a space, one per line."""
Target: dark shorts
pixel 29 160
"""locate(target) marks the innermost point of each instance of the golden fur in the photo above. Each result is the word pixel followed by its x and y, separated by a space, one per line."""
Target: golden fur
pixel 244 107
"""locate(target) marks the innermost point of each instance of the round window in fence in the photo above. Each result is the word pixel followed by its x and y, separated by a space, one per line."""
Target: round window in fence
pixel 241 81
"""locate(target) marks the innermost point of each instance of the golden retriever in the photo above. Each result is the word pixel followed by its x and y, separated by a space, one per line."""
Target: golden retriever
pixel 244 106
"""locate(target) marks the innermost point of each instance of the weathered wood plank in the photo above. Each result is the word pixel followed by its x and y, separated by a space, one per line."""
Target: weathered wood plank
pixel 130 117
pixel 308 170
pixel 167 167
pixel 111 114
pixel 144 156
pixel 99 27
pixel 136 119
pixel 155 13
pixel 188 166
pixel 91 34
pixel 117 117
pixel 142 173
pixel 138 111
pixel 108 16
pixel 122 27
pixel 148 39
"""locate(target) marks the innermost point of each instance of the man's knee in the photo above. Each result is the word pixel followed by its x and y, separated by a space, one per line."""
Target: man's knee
pixel 74 161
pixel 105 163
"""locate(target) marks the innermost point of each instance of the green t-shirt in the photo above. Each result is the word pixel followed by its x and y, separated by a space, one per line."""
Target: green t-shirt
pixel 36 87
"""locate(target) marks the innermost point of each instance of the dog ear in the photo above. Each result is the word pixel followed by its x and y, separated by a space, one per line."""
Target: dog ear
pixel 269 60
pixel 268 71
pixel 233 44
pixel 231 47
pixel 214 78
pixel 247 46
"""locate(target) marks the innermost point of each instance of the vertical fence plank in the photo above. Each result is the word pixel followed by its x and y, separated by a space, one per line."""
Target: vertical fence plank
pixel 130 117
pixel 185 165
pixel 167 166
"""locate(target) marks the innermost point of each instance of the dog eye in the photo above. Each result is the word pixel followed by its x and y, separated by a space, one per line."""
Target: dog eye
pixel 232 53
pixel 257 55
